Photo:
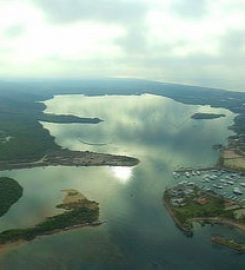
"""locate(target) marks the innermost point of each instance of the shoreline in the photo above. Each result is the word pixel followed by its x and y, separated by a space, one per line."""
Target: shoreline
pixel 220 165
pixel 179 224
pixel 187 227
pixel 14 244
pixel 10 246
pixel 220 221
pixel 70 228
pixel 228 243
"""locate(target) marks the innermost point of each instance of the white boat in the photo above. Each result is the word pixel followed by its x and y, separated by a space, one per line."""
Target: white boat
pixel 230 182
pixel 175 174
pixel 198 173
pixel 190 184
pixel 213 177
pixel 187 174
pixel 237 191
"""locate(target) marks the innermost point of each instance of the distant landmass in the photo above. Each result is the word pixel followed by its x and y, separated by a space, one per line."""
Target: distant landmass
pixel 207 116
pixel 21 110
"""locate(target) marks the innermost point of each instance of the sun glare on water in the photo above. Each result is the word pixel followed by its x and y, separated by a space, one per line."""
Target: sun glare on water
pixel 123 174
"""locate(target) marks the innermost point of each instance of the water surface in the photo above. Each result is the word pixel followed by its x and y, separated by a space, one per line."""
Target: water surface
pixel 138 233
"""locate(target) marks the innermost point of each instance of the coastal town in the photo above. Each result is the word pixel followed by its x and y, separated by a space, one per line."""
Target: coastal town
pixel 216 197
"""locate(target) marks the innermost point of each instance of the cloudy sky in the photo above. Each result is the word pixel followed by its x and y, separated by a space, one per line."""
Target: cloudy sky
pixel 200 42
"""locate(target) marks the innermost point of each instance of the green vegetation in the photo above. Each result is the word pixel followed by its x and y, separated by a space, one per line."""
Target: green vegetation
pixel 214 208
pixel 10 192
pixel 186 205
pixel 207 115
pixel 84 212
pixel 29 141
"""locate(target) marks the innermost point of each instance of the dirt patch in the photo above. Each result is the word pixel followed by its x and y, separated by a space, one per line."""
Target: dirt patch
pixel 73 196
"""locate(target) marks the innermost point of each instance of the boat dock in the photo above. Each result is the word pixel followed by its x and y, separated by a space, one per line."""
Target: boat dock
pixel 183 170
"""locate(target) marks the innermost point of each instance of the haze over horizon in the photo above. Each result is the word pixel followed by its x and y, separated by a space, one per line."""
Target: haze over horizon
pixel 178 41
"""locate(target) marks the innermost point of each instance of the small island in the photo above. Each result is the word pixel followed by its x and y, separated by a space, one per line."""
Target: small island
pixel 67 119
pixel 187 204
pixel 200 116
pixel 78 212
pixel 10 193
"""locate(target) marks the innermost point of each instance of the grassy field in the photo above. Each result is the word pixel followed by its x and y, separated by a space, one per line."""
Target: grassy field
pixel 215 207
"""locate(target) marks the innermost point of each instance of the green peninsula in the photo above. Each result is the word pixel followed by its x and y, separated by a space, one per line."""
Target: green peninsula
pixel 10 193
pixel 190 204
pixel 206 116
pixel 65 157
pixel 79 211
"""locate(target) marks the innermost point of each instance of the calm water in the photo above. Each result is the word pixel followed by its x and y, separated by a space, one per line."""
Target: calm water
pixel 138 233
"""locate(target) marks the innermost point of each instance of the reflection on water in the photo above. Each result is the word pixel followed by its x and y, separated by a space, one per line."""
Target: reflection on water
pixel 145 126
pixel 138 233
pixel 123 174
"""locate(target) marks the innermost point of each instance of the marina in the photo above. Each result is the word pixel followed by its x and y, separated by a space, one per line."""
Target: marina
pixel 230 185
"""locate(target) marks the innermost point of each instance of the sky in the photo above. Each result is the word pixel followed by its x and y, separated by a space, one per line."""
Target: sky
pixel 198 42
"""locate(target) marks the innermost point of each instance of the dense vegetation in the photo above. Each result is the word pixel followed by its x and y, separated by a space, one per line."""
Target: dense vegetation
pixel 28 139
pixel 83 213
pixel 10 192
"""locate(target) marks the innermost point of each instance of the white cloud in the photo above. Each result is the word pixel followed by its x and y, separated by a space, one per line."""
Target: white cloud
pixel 187 41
